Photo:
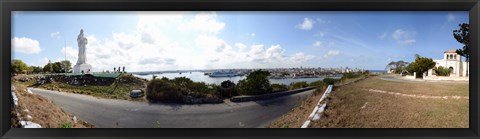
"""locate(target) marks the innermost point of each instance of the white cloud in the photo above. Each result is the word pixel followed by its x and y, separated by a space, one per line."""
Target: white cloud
pixel 383 36
pixel 205 21
pixel 450 17
pixel 331 53
pixel 322 44
pixel 330 44
pixel 240 46
pixel 55 35
pixel 301 57
pixel 70 54
pixel 306 25
pixel 149 48
pixel 317 44
pixel 319 20
pixel 41 62
pixel 404 37
pixel 275 52
pixel 321 34
pixel 26 45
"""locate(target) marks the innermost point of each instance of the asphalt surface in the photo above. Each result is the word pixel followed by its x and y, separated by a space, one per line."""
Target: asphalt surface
pixel 111 113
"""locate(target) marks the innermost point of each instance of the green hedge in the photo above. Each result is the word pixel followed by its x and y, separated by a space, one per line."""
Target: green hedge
pixel 441 71
pixel 279 87
pixel 297 85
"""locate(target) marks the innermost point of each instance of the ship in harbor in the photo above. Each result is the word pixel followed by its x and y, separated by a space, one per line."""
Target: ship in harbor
pixel 224 74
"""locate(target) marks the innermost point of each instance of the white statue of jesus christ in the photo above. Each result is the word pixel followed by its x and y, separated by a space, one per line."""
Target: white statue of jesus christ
pixel 82 66
pixel 82 43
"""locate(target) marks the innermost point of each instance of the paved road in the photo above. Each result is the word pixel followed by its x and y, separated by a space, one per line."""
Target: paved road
pixel 110 113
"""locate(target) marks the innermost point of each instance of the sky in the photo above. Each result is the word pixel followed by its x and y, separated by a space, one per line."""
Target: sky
pixel 167 40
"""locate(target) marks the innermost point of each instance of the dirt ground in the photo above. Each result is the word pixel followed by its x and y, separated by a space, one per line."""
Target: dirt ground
pixel 296 117
pixel 44 112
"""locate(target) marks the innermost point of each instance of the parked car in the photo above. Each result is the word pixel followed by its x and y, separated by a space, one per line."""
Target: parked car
pixel 136 93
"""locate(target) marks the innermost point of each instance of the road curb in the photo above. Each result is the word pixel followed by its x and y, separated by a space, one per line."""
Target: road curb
pixel 315 115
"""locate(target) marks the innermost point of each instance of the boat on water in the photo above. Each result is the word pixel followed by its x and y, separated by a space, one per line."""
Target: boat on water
pixel 223 74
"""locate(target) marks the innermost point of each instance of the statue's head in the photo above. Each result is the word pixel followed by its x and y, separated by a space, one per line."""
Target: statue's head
pixel 81 31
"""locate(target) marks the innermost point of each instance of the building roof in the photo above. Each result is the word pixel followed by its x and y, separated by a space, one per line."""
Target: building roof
pixel 451 51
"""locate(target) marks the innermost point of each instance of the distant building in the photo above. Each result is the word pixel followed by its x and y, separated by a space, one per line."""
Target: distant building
pixel 453 61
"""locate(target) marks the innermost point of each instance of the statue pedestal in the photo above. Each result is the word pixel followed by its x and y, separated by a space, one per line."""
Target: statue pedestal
pixel 86 68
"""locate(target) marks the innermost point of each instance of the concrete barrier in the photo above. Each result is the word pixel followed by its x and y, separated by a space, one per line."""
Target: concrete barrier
pixel 315 115
pixel 268 96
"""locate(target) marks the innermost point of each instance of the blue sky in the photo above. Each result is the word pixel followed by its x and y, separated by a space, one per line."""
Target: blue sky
pixel 145 41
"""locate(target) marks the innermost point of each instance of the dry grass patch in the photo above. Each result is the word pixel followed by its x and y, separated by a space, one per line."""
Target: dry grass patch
pixel 298 115
pixel 44 112
pixel 390 111
pixel 418 88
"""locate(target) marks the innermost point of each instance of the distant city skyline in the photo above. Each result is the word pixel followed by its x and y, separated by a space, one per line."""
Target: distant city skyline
pixel 159 41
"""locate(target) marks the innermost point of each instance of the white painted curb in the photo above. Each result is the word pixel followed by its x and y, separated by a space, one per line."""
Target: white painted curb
pixel 305 125
pixel 315 115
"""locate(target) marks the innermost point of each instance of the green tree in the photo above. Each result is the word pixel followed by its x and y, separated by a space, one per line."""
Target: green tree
pixel 256 83
pixel 66 66
pixel 57 67
pixel 461 35
pixel 30 69
pixel 18 66
pixel 397 66
pixel 421 65
pixel 48 67
pixel 34 69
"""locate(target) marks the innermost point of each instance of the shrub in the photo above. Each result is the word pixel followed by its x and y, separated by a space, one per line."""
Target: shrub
pixel 129 79
pixel 227 89
pixel 182 81
pixel 350 76
pixel 441 71
pixel 279 87
pixel 318 83
pixel 297 85
pixel 202 88
pixel 329 81
pixel 164 90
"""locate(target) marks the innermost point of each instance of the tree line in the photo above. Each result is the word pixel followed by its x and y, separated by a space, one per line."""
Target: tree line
pixel 20 67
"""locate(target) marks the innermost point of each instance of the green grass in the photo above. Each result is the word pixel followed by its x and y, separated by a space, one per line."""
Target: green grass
pixel 65 125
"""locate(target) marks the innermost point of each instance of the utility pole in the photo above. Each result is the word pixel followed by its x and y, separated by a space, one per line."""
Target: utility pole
pixel 65 63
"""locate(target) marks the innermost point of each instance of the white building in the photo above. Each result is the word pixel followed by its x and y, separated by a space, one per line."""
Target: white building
pixel 453 61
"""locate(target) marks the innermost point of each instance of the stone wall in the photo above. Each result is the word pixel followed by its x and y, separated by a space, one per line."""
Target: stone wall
pixel 77 80
pixel 268 96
